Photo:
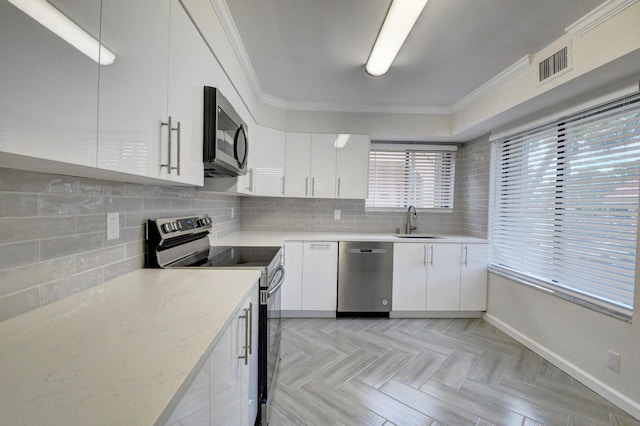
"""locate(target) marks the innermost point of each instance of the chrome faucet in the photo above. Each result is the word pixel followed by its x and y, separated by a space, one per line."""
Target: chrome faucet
pixel 409 227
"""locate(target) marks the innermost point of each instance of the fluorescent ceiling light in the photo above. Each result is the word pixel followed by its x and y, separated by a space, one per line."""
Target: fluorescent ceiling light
pixel 58 23
pixel 341 140
pixel 397 25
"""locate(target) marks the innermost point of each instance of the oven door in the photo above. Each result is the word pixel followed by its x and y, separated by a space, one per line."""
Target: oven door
pixel 270 319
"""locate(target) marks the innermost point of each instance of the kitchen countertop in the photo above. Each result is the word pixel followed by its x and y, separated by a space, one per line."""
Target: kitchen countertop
pixel 263 238
pixel 121 353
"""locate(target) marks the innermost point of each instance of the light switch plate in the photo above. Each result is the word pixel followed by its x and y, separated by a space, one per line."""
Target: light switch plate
pixel 233 212
pixel 337 214
pixel 113 226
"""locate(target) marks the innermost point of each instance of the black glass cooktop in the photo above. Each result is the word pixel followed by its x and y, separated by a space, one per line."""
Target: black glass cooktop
pixel 241 256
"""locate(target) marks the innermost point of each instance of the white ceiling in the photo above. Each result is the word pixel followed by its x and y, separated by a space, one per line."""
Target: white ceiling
pixel 310 54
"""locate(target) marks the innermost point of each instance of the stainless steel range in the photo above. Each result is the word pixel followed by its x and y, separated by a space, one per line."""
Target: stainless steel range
pixel 184 243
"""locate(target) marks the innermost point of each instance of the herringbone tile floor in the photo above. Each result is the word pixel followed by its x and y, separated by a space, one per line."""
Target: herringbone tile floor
pixel 423 372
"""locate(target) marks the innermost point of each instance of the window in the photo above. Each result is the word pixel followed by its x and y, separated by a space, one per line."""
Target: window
pixel 402 175
pixel 565 206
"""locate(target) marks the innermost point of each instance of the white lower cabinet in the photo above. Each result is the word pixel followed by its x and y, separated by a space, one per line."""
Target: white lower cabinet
pixel 473 277
pixel 225 390
pixel 311 279
pixel 439 277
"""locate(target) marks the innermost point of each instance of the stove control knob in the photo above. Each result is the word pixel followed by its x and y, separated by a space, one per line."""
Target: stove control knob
pixel 166 228
pixel 178 226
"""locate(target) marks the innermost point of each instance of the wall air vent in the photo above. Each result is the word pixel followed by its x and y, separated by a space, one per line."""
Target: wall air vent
pixel 554 64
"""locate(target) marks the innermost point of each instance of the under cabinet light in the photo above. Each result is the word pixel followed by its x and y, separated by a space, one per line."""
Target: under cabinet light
pixel 397 25
pixel 58 23
pixel 341 140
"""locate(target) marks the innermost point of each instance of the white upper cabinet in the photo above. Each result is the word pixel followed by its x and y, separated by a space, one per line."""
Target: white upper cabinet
pixel 352 169
pixel 151 98
pixel 133 90
pixel 323 165
pixel 314 167
pixel 48 89
pixel 191 66
pixel 267 156
pixel 297 164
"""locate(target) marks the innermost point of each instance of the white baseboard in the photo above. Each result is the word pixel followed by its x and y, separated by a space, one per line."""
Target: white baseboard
pixel 622 401
pixel 436 314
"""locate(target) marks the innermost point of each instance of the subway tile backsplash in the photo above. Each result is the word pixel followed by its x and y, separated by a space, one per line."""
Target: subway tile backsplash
pixel 53 232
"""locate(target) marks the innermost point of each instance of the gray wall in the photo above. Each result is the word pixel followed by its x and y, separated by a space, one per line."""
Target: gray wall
pixel 53 232
pixel 469 216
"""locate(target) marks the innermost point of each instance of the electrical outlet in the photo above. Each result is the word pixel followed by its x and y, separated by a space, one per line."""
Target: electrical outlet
pixel 233 212
pixel 337 214
pixel 113 226
pixel 614 361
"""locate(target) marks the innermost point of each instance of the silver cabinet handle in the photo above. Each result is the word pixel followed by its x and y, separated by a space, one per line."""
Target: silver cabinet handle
pixel 170 129
pixel 306 186
pixel 250 187
pixel 338 187
pixel 466 254
pixel 177 168
pixel 424 254
pixel 246 335
pixel 431 258
pixel 313 187
pixel 282 178
pixel 318 245
pixel 250 321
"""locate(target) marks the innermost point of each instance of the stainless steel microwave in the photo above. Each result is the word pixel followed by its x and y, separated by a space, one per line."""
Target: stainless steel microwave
pixel 225 138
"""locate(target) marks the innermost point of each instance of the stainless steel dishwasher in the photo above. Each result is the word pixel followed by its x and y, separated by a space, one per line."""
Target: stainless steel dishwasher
pixel 365 272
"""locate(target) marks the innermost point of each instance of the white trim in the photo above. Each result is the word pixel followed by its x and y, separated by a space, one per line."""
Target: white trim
pixel 612 395
pixel 515 69
pixel 597 16
pixel 228 25
pixel 414 147
pixel 504 132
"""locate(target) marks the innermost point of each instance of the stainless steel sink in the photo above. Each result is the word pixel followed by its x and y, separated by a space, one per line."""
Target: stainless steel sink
pixel 422 236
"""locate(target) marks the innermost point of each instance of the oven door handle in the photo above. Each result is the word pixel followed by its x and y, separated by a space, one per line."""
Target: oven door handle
pixel 277 286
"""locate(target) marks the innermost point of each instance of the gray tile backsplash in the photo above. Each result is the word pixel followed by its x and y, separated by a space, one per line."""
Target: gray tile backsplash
pixel 53 232
pixel 474 187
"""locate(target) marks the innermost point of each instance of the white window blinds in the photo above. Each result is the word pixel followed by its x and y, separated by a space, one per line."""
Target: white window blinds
pixel 411 175
pixel 565 206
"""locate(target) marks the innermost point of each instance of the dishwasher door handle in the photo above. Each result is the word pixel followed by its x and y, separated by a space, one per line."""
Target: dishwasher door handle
pixel 366 251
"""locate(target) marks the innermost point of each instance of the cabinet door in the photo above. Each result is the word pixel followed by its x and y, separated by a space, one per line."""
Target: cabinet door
pixel 191 66
pixel 409 277
pixel 225 374
pixel 267 150
pixel 250 380
pixel 297 164
pixel 352 168
pixel 473 278
pixel 320 276
pixel 323 165
pixel 133 90
pixel 49 89
pixel 291 292
pixel 443 277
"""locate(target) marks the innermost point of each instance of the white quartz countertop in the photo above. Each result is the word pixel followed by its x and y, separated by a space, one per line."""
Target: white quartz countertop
pixel 250 238
pixel 122 353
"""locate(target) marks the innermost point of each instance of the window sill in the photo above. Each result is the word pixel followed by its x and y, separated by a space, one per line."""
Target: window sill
pixel 523 279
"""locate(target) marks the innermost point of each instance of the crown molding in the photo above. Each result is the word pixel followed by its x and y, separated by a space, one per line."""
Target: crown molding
pixel 597 16
pixel 496 81
pixel 229 27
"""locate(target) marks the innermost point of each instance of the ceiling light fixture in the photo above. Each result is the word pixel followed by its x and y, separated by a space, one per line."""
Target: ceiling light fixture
pixel 401 17
pixel 55 21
